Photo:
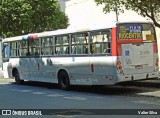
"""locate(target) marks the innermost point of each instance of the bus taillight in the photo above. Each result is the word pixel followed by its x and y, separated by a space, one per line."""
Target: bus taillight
pixel 157 62
pixel 118 63
pixel 119 67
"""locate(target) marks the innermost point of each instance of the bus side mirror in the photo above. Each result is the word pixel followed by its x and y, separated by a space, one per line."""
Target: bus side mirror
pixel 5 53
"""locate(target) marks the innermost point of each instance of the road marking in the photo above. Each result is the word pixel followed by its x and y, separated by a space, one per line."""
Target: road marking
pixel 146 102
pixel 68 116
pixel 38 93
pixel 55 95
pixel 25 91
pixel 75 98
pixel 77 113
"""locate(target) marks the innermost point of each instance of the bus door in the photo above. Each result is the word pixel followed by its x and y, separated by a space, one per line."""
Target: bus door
pixel 0 54
pixel 5 59
pixel 35 60
pixel 137 48
pixel 19 50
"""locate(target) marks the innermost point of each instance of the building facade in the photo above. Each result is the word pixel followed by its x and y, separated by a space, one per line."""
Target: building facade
pixel 85 14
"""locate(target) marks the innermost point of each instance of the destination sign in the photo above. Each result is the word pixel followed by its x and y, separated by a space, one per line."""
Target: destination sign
pixel 130 31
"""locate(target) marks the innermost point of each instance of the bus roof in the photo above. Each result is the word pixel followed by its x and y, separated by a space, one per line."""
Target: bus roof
pixel 135 22
pixel 66 31
pixel 12 38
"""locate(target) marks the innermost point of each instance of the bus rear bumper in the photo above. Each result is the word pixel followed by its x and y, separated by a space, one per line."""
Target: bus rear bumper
pixel 137 76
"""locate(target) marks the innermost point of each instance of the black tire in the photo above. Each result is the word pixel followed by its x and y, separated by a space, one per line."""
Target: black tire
pixel 63 80
pixel 17 78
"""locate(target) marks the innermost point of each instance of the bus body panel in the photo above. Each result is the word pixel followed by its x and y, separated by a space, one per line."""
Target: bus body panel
pixel 137 51
pixel 19 64
pixel 102 69
pixel 124 60
pixel 37 70
pixel 79 69
pixel 23 67
pixel 138 58
pixel 135 76
pixel 5 70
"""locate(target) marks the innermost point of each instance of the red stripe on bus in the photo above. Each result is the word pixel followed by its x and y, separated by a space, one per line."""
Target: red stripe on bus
pixel 119 49
pixel 155 48
pixel 130 41
pixel 114 42
pixel 92 68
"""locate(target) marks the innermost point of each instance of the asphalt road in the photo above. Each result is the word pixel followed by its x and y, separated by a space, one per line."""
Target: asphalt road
pixel 35 95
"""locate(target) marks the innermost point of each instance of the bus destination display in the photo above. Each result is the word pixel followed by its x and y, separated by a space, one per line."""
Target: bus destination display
pixel 130 32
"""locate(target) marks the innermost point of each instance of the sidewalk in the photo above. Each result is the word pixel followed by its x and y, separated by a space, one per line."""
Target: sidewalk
pixel 151 94
pixel 1 73
pixel 155 83
pixel 6 81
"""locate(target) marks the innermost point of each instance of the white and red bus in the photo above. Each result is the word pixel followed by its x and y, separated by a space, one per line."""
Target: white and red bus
pixel 124 52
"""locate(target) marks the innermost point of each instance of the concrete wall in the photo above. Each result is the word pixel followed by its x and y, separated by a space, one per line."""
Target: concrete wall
pixel 86 13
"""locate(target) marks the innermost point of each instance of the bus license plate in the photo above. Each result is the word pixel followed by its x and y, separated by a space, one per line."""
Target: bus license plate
pixel 139 67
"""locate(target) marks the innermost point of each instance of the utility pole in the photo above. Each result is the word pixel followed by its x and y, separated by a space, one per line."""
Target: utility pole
pixel 116 13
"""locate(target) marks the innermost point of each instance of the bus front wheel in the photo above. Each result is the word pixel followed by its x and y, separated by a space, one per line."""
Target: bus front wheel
pixel 63 80
pixel 17 78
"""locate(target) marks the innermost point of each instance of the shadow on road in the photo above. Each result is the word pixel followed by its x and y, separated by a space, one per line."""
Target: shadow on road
pixel 127 88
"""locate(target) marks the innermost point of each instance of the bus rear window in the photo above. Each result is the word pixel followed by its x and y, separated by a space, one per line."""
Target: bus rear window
pixel 135 32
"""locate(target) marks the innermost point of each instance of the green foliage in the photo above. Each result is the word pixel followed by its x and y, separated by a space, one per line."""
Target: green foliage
pixel 146 8
pixel 19 17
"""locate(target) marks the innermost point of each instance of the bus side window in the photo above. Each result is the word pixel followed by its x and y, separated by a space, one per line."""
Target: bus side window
pixel 47 46
pixel 67 50
pixel 80 41
pixel 6 53
pixel 34 47
pixel 100 42
pixel 62 45
pixel 22 48
pixel 73 49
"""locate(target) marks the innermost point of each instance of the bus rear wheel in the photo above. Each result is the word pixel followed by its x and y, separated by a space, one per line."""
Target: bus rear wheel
pixel 63 80
pixel 17 78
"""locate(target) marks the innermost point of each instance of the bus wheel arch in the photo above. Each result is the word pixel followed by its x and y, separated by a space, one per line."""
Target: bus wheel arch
pixel 63 79
pixel 16 75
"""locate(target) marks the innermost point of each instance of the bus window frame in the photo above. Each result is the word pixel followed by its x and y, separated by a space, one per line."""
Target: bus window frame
pixel 42 47
pixel 62 45
pixel 36 47
pixel 109 41
pixel 18 49
pixel 4 51
pixel 80 44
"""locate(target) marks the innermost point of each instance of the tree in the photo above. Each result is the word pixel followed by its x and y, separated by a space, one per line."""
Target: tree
pixel 146 8
pixel 19 17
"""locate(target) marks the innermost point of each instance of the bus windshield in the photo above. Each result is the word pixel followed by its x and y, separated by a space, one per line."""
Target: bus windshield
pixel 135 32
